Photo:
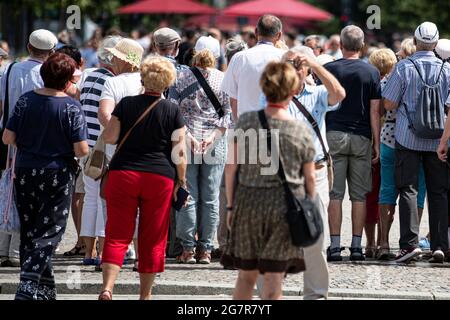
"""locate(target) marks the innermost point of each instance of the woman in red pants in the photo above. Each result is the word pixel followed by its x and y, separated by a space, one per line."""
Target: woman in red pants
pixel 142 175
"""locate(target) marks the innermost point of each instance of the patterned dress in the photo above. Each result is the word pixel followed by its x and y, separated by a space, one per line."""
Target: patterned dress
pixel 259 237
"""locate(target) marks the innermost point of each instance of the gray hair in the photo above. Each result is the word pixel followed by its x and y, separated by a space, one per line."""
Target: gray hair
pixel 105 56
pixel 234 45
pixel 423 46
pixel 307 51
pixel 269 26
pixel 352 38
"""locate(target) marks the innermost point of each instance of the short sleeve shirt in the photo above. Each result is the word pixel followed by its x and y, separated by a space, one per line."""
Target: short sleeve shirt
pixel 149 146
pixel 46 128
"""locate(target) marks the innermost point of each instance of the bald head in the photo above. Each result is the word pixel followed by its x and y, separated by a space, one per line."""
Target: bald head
pixel 269 27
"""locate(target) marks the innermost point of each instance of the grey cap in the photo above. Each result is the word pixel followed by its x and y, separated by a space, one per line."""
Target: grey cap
pixel 3 53
pixel 165 37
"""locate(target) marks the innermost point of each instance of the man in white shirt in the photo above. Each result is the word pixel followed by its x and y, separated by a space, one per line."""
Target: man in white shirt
pixel 241 81
pixel 23 77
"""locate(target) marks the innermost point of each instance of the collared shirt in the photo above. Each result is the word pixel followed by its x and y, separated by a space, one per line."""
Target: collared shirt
pixel 315 100
pixel 404 87
pixel 25 76
pixel 241 79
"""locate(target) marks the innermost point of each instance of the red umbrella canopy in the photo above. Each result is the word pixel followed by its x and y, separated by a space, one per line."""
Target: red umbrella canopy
pixel 167 6
pixel 282 8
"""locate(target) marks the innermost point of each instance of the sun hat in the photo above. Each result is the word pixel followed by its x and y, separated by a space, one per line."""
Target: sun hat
pixel 443 49
pixel 165 37
pixel 128 50
pixel 43 39
pixel 209 43
pixel 427 32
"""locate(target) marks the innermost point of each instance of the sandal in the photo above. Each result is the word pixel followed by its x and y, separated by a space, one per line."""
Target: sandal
pixel 105 295
pixel 76 251
pixel 370 252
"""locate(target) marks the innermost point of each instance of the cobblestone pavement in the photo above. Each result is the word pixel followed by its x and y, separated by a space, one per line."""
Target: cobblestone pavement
pixel 418 277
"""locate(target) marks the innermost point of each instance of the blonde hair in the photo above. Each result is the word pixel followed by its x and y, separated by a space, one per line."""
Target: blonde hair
pixel 384 60
pixel 157 74
pixel 278 81
pixel 280 44
pixel 204 59
pixel 408 47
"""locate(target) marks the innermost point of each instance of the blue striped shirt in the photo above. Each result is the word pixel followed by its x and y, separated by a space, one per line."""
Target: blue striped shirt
pixel 404 87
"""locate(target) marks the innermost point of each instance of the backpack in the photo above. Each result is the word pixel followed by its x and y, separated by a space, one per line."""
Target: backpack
pixel 429 121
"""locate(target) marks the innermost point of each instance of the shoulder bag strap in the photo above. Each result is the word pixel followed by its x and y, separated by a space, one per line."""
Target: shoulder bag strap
pixel 6 101
pixel 281 173
pixel 211 95
pixel 417 69
pixel 139 120
pixel 314 124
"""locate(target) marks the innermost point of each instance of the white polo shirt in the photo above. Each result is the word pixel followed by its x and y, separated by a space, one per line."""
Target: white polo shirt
pixel 241 79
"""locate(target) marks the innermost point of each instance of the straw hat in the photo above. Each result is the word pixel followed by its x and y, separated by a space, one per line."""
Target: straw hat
pixel 129 51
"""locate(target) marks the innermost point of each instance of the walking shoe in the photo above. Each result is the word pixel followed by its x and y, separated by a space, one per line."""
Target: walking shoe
pixel 424 244
pixel 405 255
pixel 10 262
pixel 356 254
pixel 437 257
pixel 384 254
pixel 204 257
pixel 334 254
pixel 187 257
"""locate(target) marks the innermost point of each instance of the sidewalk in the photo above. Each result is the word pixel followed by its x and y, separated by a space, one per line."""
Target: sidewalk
pixel 366 280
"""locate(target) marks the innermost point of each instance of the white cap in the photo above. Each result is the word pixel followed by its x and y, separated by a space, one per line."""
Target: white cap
pixel 427 32
pixel 43 39
pixel 443 49
pixel 209 43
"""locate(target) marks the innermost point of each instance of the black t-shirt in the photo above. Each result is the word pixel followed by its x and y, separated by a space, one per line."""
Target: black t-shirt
pixel 361 81
pixel 149 146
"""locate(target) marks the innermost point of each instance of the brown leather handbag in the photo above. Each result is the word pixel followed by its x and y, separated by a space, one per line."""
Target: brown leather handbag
pixel 104 177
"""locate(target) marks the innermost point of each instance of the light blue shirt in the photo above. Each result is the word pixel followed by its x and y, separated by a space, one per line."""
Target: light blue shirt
pixel 25 76
pixel 315 100
pixel 404 86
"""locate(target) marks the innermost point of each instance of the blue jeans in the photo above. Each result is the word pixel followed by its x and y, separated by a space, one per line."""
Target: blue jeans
pixel 201 215
pixel 388 189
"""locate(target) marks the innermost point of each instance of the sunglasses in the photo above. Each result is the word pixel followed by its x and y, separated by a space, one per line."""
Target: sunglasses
pixel 295 63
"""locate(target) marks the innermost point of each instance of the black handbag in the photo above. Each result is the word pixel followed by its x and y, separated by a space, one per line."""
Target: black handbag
pixel 303 215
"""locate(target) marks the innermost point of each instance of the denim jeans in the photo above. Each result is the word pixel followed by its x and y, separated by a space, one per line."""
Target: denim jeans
pixel 201 215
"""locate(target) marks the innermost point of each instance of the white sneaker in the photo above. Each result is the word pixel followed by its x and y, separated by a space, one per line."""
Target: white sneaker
pixel 131 254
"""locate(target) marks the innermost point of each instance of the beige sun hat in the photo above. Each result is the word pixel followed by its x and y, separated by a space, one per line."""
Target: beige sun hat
pixel 129 51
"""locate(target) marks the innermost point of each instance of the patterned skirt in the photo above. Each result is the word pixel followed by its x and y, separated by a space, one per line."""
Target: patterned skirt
pixel 259 237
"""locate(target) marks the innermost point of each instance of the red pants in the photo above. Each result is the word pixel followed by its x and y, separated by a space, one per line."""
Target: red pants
pixel 125 192
pixel 372 207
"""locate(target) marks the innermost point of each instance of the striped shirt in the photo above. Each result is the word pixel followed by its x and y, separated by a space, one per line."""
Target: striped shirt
pixel 404 87
pixel 91 90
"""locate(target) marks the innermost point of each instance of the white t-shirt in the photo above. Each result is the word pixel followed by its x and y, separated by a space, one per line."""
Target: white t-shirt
pixel 123 85
pixel 241 79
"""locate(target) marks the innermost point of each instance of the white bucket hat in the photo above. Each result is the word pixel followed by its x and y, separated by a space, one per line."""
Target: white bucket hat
pixel 209 43
pixel 129 51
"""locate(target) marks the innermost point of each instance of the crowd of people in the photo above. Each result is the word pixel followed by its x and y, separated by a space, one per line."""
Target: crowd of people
pixel 172 114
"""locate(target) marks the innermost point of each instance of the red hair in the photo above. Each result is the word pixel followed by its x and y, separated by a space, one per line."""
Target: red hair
pixel 57 70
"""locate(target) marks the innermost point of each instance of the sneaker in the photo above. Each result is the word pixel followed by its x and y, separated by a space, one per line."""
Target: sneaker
pixel 334 254
pixel 204 257
pixel 186 257
pixel 10 262
pixel 356 254
pixel 405 255
pixel 131 254
pixel 437 257
pixel 424 244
